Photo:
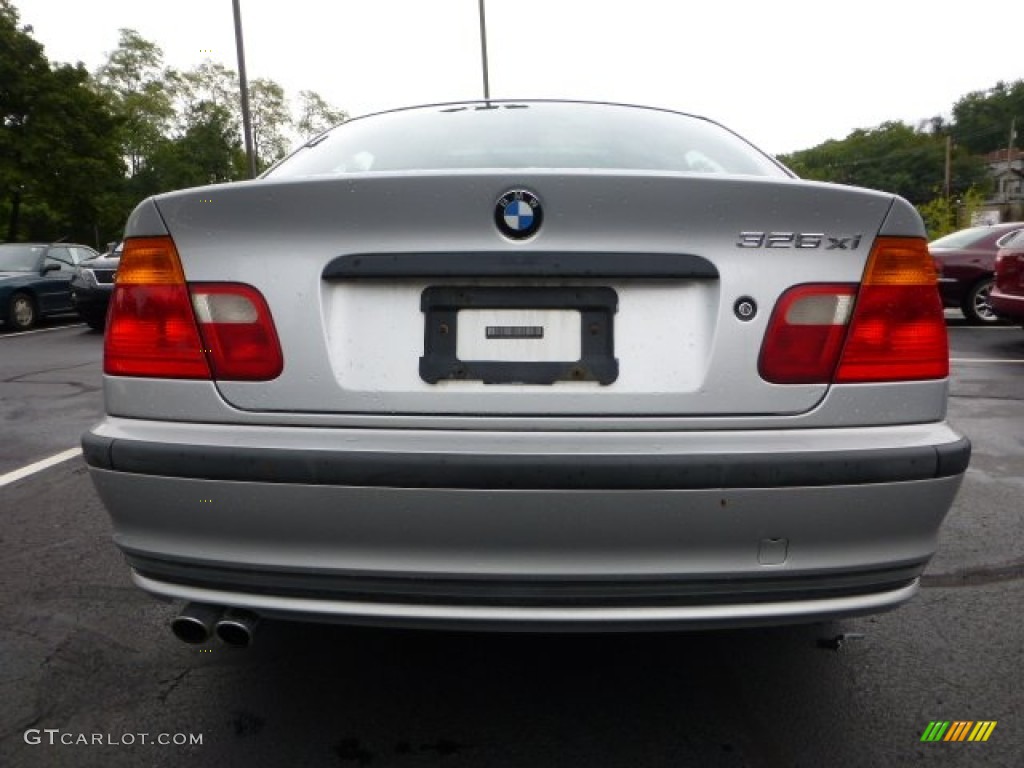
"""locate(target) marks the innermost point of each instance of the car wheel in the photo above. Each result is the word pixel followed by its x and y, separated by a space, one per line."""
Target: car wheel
pixel 21 312
pixel 96 323
pixel 976 307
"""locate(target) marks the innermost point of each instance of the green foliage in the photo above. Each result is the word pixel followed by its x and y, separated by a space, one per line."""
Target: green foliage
pixel 22 68
pixel 60 163
pixel 78 157
pixel 942 216
pixel 316 115
pixel 939 217
pixel 970 203
pixel 206 153
pixel 270 120
pixel 214 84
pixel 210 83
pixel 167 115
pixel 893 158
pixel 982 119
pixel 140 90
pixel 77 152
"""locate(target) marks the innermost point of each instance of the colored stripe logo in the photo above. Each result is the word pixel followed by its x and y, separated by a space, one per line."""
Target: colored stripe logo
pixel 958 730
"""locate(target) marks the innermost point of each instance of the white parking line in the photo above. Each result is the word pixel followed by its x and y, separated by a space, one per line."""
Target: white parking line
pixel 39 466
pixel 40 330
pixel 983 327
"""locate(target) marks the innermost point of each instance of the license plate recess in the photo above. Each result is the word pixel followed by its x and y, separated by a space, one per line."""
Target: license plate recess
pixel 596 305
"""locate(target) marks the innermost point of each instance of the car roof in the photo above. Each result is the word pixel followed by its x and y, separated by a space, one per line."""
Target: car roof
pixel 51 245
pixel 973 236
pixel 486 104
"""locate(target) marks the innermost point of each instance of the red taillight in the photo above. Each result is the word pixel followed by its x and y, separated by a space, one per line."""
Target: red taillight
pixel 895 331
pixel 1009 271
pixel 238 334
pixel 153 330
pixel 898 331
pixel 806 333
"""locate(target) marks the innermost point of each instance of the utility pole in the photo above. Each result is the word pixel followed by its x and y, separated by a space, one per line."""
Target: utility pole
pixel 1009 143
pixel 949 155
pixel 483 49
pixel 243 84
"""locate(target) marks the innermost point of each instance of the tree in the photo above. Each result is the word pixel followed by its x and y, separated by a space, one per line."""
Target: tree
pixel 939 217
pixel 316 115
pixel 208 152
pixel 982 119
pixel 209 83
pixel 59 158
pixel 945 215
pixel 77 152
pixel 270 121
pixel 142 91
pixel 76 156
pixel 22 67
pixel 892 157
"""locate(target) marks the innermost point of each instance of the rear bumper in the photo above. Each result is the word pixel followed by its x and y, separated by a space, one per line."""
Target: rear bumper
pixel 528 471
pixel 91 302
pixel 1007 305
pixel 565 617
pixel 528 530
pixel 951 291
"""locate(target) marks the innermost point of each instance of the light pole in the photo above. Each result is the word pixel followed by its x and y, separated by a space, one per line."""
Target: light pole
pixel 483 49
pixel 243 84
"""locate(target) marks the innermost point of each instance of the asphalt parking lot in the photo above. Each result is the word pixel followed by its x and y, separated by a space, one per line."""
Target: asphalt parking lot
pixel 85 654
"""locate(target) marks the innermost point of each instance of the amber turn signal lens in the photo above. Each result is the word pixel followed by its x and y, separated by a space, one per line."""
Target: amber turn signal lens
pixel 150 261
pixel 900 261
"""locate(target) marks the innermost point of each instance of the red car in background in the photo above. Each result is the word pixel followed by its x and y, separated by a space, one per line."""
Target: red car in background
pixel 966 261
pixel 1007 297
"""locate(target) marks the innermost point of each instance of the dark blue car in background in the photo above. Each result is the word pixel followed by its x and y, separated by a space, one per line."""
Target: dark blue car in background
pixel 35 280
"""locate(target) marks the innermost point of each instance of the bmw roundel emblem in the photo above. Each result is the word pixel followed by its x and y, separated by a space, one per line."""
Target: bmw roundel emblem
pixel 518 214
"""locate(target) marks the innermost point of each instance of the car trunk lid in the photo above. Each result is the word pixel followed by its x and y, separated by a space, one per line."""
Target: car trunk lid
pixel 640 294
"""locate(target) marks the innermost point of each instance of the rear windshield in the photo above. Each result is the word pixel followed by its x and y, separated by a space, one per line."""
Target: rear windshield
pixel 20 258
pixel 962 239
pixel 1013 240
pixel 528 135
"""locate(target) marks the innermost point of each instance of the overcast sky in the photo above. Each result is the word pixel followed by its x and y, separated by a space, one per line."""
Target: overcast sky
pixel 787 74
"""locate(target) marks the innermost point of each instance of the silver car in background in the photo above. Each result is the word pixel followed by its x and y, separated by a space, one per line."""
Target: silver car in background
pixel 526 365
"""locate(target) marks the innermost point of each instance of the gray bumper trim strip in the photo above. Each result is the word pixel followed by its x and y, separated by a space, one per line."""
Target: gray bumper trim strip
pixel 581 590
pixel 527 618
pixel 532 472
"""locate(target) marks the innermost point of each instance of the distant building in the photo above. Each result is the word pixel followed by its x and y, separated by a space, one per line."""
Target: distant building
pixel 1006 168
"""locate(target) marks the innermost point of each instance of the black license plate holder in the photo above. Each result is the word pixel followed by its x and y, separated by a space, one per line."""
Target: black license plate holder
pixel 597 307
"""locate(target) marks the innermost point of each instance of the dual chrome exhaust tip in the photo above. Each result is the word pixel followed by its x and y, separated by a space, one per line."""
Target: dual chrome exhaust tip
pixel 198 622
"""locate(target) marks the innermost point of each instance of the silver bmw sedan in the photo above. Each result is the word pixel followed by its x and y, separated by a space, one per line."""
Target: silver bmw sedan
pixel 525 365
